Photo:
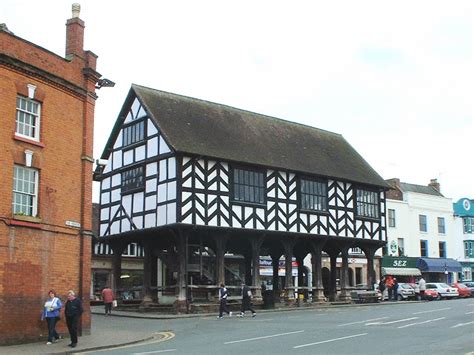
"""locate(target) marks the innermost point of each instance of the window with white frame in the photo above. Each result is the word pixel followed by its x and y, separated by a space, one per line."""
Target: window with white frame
pixel 441 225
pixel 468 225
pixel 367 203
pixel 27 118
pixel 391 218
pixel 466 273
pixel 442 249
pixel 469 248
pixel 25 191
pixel 423 223
pixel 401 247
pixel 423 248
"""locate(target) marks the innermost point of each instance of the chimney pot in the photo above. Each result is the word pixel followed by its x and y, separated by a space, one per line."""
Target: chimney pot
pixel 76 10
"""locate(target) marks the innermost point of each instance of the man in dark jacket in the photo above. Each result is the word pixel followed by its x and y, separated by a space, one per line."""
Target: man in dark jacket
pixel 73 311
pixel 246 300
pixel 223 293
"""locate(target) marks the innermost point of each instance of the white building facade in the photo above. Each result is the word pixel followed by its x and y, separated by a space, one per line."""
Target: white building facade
pixel 420 224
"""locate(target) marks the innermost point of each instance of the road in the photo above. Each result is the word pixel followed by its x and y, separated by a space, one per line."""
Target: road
pixel 438 327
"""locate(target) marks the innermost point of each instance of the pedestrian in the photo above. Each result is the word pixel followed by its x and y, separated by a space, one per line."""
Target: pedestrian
pixel 73 311
pixel 422 284
pixel 108 298
pixel 51 311
pixel 389 286
pixel 382 287
pixel 246 301
pixel 223 294
pixel 395 289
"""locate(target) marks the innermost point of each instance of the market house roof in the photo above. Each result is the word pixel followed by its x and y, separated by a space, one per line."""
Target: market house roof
pixel 218 131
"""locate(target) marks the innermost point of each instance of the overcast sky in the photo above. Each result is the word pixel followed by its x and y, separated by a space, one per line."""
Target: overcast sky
pixel 395 78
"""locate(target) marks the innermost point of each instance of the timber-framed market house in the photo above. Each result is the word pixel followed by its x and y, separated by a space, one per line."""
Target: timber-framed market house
pixel 208 189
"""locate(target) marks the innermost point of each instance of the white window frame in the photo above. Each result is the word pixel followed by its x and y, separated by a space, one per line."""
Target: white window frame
pixel 20 208
pixel 37 117
pixel 392 221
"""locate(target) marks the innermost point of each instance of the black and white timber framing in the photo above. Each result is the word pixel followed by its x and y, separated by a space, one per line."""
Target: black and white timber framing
pixel 174 163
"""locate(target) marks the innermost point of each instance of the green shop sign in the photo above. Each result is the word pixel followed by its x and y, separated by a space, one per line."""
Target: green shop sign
pixel 399 262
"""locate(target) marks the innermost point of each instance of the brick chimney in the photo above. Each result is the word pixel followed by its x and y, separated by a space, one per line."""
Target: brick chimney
pixel 75 34
pixel 395 193
pixel 435 185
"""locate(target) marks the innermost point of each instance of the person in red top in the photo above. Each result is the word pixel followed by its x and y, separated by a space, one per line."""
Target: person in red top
pixel 389 285
pixel 108 298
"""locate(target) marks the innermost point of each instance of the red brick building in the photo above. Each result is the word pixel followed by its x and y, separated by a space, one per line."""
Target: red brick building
pixel 46 137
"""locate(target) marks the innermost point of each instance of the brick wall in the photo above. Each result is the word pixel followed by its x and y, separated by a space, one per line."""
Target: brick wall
pixel 43 253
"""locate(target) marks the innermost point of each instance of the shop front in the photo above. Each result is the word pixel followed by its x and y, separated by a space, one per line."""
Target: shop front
pixel 439 269
pixel 467 271
pixel 401 267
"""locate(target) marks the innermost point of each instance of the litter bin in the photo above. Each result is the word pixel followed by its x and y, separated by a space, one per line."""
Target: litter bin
pixel 268 299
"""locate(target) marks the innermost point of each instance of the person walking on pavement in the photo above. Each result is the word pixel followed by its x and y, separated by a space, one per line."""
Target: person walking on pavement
pixel 52 308
pixel 382 287
pixel 223 293
pixel 395 289
pixel 246 301
pixel 389 286
pixel 73 311
pixel 422 284
pixel 108 298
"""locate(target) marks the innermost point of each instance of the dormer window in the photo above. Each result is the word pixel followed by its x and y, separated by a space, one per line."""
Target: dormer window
pixel 27 118
pixel 133 133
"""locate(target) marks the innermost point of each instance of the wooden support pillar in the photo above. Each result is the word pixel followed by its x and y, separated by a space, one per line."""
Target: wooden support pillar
pixel 221 242
pixel 316 261
pixel 256 244
pixel 369 254
pixel 345 293
pixel 276 255
pixel 332 281
pixel 181 303
pixel 154 276
pixel 116 284
pixel 288 247
pixel 147 295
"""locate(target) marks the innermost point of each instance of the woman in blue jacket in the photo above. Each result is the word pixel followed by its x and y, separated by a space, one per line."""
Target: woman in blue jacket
pixel 52 308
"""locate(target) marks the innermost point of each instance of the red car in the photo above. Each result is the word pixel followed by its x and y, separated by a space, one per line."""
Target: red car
pixel 431 294
pixel 463 290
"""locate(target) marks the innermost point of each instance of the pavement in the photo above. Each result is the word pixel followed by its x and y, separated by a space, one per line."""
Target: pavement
pixel 111 337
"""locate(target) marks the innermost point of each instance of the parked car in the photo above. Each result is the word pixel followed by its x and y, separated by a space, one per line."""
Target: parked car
pixel 431 294
pixel 404 292
pixel 444 290
pixel 470 285
pixel 463 290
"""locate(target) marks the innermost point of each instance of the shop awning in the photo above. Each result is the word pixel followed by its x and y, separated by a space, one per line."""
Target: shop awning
pixel 438 265
pixel 398 271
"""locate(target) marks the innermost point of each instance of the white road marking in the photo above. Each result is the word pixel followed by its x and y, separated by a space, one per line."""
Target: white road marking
pixel 264 337
pixel 329 340
pixel 470 312
pixel 426 321
pixel 362 321
pixel 462 324
pixel 433 310
pixel 392 322
pixel 156 352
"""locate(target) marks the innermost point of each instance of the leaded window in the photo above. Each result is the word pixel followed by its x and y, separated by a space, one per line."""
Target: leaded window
pixel 313 195
pixel 25 191
pixel 367 203
pixel 133 133
pixel 27 118
pixel 132 179
pixel 249 186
